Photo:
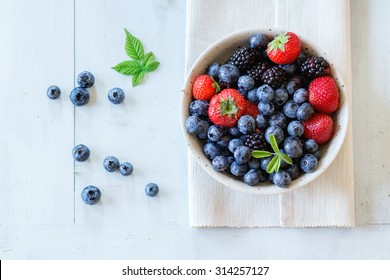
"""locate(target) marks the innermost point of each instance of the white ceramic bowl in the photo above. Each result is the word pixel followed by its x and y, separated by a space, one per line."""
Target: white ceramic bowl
pixel 220 51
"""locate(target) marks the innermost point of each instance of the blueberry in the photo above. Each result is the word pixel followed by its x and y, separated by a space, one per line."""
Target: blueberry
pixel 258 41
pixel 277 132
pixel 289 68
pixel 53 92
pixel 243 92
pixel 195 125
pixel 278 119
pixel 79 96
pixel 228 74
pixel 265 94
pixel 261 121
pixel 292 86
pixel 91 195
pixel 252 96
pixel 309 163
pixel 223 143
pixel 252 177
pixel 80 153
pixel 213 69
pixel 294 172
pixel 305 112
pixel 281 96
pixel 293 147
pixel 238 169
pixel 211 150
pixel 246 82
pixel 203 130
pixel 111 163
pixel 290 109
pixel 266 109
pixel 215 133
pixel 126 168
pixel 246 124
pixel 281 179
pixel 152 189
pixel 242 154
pixel 318 154
pixel 220 163
pixel 234 131
pixel 85 79
pixel 310 146
pixel 295 128
pixel 254 163
pixel 300 95
pixel 199 108
pixel 230 160
pixel 234 144
pixel 225 152
pixel 264 162
pixel 116 96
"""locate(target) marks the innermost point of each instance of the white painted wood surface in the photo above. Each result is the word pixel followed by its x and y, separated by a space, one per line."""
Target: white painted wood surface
pixel 41 215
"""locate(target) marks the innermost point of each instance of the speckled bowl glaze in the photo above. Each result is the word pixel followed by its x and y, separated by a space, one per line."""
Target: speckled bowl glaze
pixel 220 51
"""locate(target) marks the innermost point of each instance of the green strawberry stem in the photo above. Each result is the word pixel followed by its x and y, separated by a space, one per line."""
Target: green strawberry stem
pixel 228 107
pixel 279 41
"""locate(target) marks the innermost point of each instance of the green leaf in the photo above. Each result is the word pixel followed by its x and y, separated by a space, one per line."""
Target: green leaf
pixel 128 67
pixel 261 154
pixel 148 58
pixel 134 47
pixel 273 165
pixel 137 78
pixel 274 144
pixel 286 158
pixel 152 66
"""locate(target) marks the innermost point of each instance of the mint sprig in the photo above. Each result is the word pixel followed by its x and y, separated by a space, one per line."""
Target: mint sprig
pixel 274 164
pixel 141 62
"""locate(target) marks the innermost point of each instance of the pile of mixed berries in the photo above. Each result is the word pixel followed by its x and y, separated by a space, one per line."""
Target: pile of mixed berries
pixel 265 112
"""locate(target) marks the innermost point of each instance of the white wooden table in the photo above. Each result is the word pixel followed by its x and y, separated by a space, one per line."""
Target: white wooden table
pixel 46 42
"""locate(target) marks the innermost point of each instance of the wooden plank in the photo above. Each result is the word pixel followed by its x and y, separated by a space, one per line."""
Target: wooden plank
pixel 371 99
pixel 144 130
pixel 36 173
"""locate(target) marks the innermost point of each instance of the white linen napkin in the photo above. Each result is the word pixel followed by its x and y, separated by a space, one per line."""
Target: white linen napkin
pixel 329 200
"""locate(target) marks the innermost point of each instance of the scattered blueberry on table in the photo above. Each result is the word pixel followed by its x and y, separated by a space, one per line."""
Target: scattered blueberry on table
pixel 91 195
pixel 53 92
pixel 81 153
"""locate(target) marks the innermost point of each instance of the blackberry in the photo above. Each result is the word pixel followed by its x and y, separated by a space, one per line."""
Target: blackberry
pixel 243 58
pixel 314 67
pixel 257 71
pixel 274 77
pixel 256 141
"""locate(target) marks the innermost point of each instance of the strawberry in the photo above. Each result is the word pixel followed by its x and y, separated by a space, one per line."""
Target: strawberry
pixel 251 109
pixel 284 48
pixel 323 94
pixel 204 87
pixel 319 127
pixel 227 107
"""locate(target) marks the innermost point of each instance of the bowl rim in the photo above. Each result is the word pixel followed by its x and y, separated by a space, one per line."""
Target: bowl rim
pixel 270 189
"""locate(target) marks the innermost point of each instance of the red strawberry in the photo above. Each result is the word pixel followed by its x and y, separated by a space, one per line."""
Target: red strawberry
pixel 284 48
pixel 319 127
pixel 227 107
pixel 324 95
pixel 251 109
pixel 204 87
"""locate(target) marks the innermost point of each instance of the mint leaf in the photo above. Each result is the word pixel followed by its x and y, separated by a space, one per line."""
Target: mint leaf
pixel 286 158
pixel 148 58
pixel 152 66
pixel 128 67
pixel 273 164
pixel 134 47
pixel 261 154
pixel 137 78
pixel 274 144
